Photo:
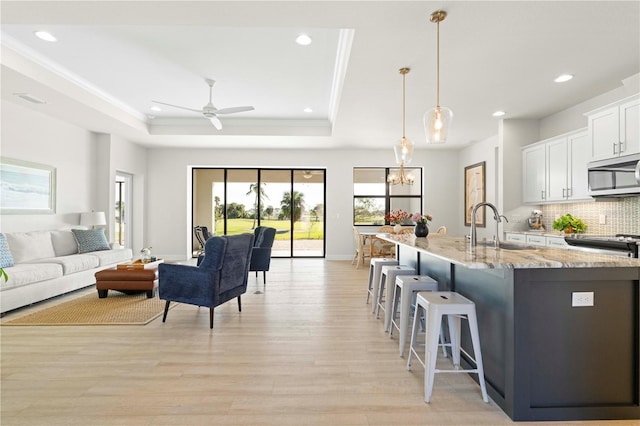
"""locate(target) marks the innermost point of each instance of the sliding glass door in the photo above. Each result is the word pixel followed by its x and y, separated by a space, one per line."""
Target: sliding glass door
pixel 235 201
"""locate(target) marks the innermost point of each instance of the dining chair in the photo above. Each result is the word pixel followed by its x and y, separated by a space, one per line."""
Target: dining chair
pixel 441 230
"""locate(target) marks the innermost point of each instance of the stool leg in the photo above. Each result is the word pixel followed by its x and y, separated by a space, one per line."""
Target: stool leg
pixel 433 324
pixel 394 307
pixel 371 269
pixel 443 342
pixel 477 353
pixel 405 308
pixel 383 279
pixel 454 335
pixel 388 301
pixel 414 335
pixel 377 276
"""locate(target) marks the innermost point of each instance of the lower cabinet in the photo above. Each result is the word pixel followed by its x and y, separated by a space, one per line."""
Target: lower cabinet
pixel 553 241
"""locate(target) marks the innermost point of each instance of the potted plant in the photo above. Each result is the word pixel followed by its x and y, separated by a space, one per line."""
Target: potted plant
pixel 569 224
pixel 421 229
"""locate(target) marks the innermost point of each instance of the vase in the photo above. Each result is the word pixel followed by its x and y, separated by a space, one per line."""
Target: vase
pixel 397 228
pixel 421 230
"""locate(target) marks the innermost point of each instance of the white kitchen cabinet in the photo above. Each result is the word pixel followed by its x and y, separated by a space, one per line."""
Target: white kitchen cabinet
pixel 562 174
pixel 567 157
pixel 536 240
pixel 515 237
pixel 533 173
pixel 614 130
pixel 556 242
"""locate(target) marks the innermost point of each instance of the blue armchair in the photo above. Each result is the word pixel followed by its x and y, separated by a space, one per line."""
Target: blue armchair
pixel 261 254
pixel 221 276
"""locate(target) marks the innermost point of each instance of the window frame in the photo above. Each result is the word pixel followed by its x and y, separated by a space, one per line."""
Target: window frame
pixel 387 193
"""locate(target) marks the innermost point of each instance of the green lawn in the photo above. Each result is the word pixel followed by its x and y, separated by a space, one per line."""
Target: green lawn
pixel 301 230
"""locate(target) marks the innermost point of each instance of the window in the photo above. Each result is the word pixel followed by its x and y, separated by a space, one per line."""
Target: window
pixel 373 196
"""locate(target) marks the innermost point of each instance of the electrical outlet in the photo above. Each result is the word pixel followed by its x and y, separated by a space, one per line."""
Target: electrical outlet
pixel 581 298
pixel 603 219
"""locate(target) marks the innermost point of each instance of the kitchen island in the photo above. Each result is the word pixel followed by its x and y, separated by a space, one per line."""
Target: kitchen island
pixel 544 357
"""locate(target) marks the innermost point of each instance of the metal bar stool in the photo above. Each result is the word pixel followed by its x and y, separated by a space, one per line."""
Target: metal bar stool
pixel 388 275
pixel 375 270
pixel 455 306
pixel 406 287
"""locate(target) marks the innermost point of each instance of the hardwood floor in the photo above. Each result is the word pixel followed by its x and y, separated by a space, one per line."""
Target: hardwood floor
pixel 304 351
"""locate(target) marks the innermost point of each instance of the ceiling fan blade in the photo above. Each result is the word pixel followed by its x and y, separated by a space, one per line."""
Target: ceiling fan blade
pixel 216 122
pixel 178 106
pixel 234 110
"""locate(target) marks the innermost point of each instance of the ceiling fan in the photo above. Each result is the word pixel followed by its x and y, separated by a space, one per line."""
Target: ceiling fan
pixel 209 110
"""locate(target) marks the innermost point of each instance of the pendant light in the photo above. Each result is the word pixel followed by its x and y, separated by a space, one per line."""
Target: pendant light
pixel 437 121
pixel 403 149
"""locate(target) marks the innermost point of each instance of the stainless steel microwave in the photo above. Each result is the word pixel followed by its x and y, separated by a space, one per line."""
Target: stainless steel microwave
pixel 615 177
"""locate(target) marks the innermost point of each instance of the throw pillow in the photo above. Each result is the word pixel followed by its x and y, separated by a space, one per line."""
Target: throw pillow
pixel 6 259
pixel 90 240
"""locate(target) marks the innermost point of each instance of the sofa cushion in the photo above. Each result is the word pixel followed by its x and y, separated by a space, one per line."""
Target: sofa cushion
pixel 73 263
pixel 6 259
pixel 90 240
pixel 64 243
pixel 109 257
pixel 28 246
pixel 27 273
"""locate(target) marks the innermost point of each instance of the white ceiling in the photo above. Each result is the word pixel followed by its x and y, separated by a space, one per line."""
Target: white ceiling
pixel 113 58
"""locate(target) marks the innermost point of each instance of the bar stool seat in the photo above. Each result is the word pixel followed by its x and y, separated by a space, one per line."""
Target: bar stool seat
pixel 406 287
pixel 375 270
pixel 455 306
pixel 388 275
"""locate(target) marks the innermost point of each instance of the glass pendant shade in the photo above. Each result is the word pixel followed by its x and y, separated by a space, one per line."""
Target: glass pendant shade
pixel 404 151
pixel 437 122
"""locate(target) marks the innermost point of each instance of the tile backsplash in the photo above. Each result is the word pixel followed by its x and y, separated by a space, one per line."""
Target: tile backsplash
pixel 621 216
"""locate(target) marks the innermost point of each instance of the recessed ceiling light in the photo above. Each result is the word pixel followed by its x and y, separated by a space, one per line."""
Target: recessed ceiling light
pixel 562 78
pixel 498 113
pixel 45 36
pixel 303 40
pixel 156 108
pixel 307 109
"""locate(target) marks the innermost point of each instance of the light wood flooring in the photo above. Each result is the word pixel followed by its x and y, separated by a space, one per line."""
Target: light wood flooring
pixel 304 351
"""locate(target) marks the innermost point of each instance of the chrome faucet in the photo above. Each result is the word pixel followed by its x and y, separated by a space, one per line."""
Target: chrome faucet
pixel 497 216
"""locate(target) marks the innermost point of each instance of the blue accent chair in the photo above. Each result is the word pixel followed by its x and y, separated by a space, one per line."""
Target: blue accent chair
pixel 261 256
pixel 221 276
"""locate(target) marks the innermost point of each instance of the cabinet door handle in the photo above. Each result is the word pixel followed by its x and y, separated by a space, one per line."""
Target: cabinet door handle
pixel 542 194
pixel 564 190
pixel 568 192
pixel 614 148
pixel 621 147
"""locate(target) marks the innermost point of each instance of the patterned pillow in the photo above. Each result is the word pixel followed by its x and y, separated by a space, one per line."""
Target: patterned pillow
pixel 6 259
pixel 90 240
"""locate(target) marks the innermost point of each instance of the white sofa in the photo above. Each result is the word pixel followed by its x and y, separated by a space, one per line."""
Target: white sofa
pixel 49 263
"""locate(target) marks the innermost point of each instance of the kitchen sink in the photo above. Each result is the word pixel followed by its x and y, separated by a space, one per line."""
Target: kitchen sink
pixel 505 245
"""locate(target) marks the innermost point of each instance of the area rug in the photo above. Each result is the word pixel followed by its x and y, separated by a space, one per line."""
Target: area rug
pixel 116 309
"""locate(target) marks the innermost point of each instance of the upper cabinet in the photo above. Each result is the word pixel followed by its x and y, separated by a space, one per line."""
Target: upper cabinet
pixel 533 173
pixel 614 130
pixel 555 169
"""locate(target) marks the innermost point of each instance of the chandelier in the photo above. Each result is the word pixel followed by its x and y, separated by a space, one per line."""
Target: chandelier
pixel 437 121
pixel 400 178
pixel 403 149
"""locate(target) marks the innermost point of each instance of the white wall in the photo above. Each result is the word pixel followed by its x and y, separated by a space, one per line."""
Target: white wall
pixel 85 163
pixel 31 136
pixel 168 210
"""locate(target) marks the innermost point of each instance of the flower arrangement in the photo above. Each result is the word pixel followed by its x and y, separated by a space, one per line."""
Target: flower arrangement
pixel 422 218
pixel 396 216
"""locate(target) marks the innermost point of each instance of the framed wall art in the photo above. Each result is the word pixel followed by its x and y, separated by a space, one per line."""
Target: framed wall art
pixel 474 192
pixel 27 188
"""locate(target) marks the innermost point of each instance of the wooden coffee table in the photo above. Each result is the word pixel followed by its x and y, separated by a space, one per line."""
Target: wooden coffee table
pixel 130 277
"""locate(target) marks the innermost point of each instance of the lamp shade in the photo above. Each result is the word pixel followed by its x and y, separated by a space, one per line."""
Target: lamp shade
pixel 93 219
pixel 404 151
pixel 437 122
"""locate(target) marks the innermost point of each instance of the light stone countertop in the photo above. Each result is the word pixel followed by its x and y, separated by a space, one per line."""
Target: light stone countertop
pixel 459 251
